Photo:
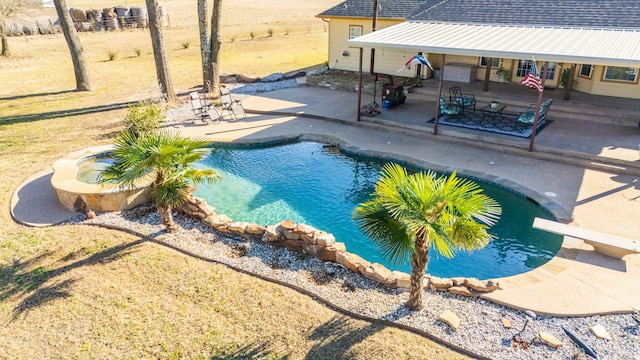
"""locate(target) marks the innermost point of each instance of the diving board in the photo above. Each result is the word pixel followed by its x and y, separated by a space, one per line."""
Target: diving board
pixel 610 245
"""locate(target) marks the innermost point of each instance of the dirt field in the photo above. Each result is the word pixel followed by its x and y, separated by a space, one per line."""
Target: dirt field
pixel 78 292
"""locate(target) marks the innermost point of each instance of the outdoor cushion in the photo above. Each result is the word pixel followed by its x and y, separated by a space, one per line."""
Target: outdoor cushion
pixel 528 116
pixel 449 109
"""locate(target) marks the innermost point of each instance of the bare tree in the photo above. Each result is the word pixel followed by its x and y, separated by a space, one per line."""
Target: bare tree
pixel 83 82
pixel 210 44
pixel 159 54
pixel 205 47
pixel 8 8
pixel 213 74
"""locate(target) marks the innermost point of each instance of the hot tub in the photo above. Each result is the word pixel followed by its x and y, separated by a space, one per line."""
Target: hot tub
pixel 77 195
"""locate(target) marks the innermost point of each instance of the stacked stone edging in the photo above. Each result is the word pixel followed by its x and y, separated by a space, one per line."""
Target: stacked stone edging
pixel 322 245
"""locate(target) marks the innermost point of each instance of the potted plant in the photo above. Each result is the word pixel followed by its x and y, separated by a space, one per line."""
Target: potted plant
pixel 494 104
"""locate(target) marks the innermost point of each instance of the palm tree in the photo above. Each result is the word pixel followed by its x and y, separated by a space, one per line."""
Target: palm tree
pixel 164 157
pixel 410 213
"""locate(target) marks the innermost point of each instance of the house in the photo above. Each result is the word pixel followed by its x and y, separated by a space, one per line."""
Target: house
pixel 600 39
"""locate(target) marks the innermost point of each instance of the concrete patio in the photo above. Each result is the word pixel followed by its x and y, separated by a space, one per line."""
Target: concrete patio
pixel 585 172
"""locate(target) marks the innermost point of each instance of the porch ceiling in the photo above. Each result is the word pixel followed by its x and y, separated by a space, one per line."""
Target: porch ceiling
pixel 569 45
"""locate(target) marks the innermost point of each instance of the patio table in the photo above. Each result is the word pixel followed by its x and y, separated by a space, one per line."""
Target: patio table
pixel 492 114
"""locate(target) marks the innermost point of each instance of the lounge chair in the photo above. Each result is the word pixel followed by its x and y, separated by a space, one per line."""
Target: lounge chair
pixel 202 111
pixel 449 108
pixel 525 119
pixel 230 105
pixel 464 101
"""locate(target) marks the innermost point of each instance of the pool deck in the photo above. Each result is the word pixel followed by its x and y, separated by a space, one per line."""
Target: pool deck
pixel 603 198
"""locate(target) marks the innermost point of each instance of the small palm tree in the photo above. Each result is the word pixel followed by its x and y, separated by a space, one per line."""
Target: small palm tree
pixel 164 157
pixel 410 213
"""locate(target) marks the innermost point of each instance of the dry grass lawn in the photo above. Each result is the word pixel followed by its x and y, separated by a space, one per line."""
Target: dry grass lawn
pixel 79 292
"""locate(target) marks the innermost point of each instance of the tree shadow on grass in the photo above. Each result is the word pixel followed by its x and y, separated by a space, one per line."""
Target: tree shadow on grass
pixel 14 119
pixel 337 336
pixel 26 278
pixel 249 351
pixel 26 96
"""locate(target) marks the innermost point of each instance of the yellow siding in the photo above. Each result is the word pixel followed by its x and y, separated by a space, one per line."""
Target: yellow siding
pixel 388 61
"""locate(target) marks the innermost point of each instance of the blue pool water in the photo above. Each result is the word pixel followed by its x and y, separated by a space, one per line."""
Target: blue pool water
pixel 319 186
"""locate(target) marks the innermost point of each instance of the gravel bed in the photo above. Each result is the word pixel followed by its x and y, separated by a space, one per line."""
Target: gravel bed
pixel 240 91
pixel 481 330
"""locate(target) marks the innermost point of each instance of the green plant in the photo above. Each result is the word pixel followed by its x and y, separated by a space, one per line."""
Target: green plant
pixel 233 38
pixel 504 74
pixel 286 31
pixel 253 35
pixel 165 157
pixel 138 51
pixel 270 32
pixel 185 44
pixel 143 118
pixel 410 213
pixel 113 55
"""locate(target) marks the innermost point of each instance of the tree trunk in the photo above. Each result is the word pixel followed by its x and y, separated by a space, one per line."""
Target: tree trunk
pixel 214 56
pixel 569 87
pixel 4 41
pixel 419 260
pixel 205 45
pixel 159 54
pixel 83 83
pixel 167 218
pixel 487 75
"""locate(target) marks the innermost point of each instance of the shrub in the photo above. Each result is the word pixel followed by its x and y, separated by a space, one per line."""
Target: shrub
pixel 138 52
pixel 186 44
pixel 113 55
pixel 253 35
pixel 143 118
pixel 286 31
pixel 270 32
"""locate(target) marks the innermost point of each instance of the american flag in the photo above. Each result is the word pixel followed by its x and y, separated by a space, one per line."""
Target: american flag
pixel 532 79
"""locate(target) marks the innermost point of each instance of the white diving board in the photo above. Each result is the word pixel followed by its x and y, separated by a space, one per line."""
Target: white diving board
pixel 611 245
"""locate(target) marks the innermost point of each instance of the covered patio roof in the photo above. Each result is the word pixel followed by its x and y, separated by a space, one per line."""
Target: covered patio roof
pixel 614 47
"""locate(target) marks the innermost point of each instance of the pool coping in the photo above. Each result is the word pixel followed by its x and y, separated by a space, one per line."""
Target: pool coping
pixel 569 249
pixel 510 286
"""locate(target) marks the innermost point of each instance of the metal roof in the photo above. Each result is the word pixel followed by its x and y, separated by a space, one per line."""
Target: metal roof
pixel 569 45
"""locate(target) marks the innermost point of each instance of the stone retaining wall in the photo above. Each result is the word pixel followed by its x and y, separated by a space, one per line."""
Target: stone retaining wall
pixel 322 245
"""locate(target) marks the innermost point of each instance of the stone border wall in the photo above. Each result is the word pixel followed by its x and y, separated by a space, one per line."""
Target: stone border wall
pixel 322 245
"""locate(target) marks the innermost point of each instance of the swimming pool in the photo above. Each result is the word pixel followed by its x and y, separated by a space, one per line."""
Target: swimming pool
pixel 319 186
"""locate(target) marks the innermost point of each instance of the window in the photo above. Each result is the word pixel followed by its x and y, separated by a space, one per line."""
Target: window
pixel 616 73
pixel 524 66
pixel 586 70
pixel 495 62
pixel 355 31
pixel 552 70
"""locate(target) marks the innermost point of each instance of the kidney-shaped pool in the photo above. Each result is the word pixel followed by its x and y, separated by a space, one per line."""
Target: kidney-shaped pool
pixel 319 186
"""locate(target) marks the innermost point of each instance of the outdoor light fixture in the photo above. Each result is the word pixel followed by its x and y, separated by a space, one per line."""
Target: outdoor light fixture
pixel 345 53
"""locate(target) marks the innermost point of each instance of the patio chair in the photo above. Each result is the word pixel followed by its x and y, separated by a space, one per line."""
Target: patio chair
pixel 525 119
pixel 464 101
pixel 230 105
pixel 202 111
pixel 449 108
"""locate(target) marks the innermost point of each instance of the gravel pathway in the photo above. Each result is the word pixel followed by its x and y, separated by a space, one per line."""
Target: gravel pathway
pixel 481 331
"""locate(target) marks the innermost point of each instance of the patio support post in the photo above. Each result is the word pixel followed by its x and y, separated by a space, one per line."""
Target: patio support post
pixel 537 116
pixel 374 22
pixel 359 85
pixel 435 123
